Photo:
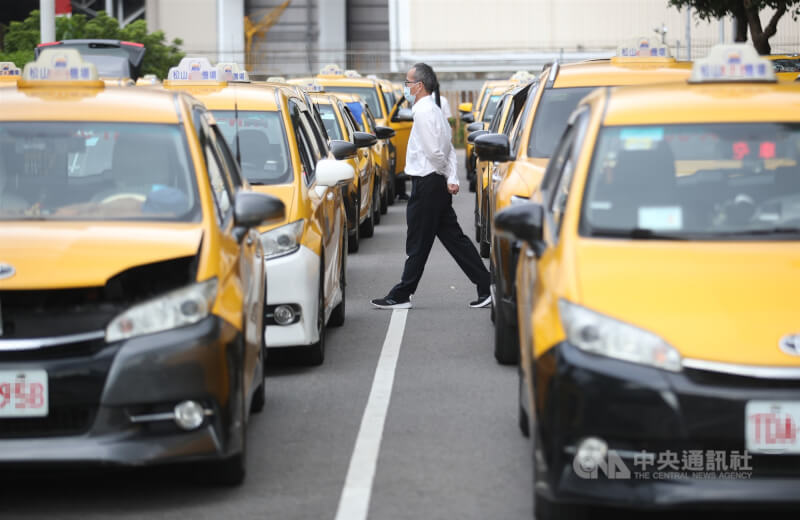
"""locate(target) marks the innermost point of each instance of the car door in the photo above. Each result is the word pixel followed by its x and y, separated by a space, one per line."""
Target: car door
pixel 362 160
pixel 242 269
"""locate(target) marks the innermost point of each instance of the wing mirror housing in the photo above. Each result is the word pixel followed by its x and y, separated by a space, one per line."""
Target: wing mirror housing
pixel 493 147
pixel 524 222
pixel 330 172
pixel 384 132
pixel 343 149
pixel 252 209
pixel 363 139
pixel 474 135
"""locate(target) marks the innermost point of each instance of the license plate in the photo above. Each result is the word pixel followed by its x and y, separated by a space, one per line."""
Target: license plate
pixel 771 427
pixel 23 393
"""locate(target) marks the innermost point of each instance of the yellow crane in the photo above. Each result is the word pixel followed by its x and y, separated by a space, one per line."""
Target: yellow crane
pixel 259 30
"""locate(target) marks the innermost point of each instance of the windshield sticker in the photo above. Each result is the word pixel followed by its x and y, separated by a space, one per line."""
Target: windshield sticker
pixel 644 138
pixel 662 218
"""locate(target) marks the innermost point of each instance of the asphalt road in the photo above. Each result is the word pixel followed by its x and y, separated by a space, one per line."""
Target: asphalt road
pixel 450 446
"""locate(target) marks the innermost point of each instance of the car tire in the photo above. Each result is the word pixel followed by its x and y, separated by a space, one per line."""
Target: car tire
pixel 354 236
pixel 259 396
pixel 391 191
pixel 477 222
pixel 314 355
pixel 486 249
pixel 506 339
pixel 367 228
pixel 384 198
pixel 338 314
pixel 472 185
pixel 522 415
pixel 376 203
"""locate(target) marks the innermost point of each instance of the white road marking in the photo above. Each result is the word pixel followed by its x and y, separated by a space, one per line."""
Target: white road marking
pixel 354 502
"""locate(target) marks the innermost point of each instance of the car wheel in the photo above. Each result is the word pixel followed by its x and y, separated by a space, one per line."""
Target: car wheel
pixel 354 236
pixel 338 314
pixel 376 202
pixel 259 397
pixel 315 354
pixel 390 189
pixel 506 340
pixel 472 184
pixel 385 199
pixel 231 471
pixel 367 229
pixel 477 222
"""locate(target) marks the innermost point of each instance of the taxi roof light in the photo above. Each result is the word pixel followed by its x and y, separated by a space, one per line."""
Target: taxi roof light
pixel 276 79
pixel 312 86
pixel 331 69
pixel 643 47
pixel 738 62
pixel 200 69
pixel 350 73
pixel 523 76
pixel 59 64
pixel 8 68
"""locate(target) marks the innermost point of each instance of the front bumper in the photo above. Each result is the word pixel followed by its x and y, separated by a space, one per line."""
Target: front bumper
pixel 637 409
pixel 95 389
pixel 294 279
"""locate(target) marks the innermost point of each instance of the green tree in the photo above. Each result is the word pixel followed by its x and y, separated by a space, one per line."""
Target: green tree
pixel 22 37
pixel 746 13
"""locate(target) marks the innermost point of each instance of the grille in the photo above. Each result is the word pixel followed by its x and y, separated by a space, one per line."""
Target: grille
pixel 60 421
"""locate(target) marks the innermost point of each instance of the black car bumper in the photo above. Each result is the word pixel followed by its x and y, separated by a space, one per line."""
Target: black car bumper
pixel 98 393
pixel 637 409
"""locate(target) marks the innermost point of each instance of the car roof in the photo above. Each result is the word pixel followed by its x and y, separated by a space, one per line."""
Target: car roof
pixel 222 96
pixel 619 71
pixel 86 103
pixel 703 103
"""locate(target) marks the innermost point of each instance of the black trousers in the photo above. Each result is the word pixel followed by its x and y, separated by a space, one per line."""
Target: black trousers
pixel 430 214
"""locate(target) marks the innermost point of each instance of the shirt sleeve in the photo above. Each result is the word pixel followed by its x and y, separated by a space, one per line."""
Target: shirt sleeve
pixel 432 142
pixel 452 174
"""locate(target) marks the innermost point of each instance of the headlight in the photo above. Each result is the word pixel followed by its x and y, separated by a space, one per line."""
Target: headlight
pixel 282 240
pixel 598 334
pixel 177 308
pixel 515 199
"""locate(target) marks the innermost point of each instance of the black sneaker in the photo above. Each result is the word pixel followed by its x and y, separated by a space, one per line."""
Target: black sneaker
pixel 402 196
pixel 388 303
pixel 482 301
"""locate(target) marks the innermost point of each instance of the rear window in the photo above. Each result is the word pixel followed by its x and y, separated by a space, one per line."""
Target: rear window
pixel 551 118
pixel 95 171
pixel 262 144
pixel 368 94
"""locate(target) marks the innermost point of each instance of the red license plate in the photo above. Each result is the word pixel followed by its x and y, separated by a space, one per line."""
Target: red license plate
pixel 23 393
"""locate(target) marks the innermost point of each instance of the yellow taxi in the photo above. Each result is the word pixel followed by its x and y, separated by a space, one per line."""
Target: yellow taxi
pixel 787 66
pixel 524 154
pixel 488 99
pixel 362 196
pixel 131 277
pixel 377 94
pixel 508 110
pixel 282 153
pixel 381 156
pixel 660 343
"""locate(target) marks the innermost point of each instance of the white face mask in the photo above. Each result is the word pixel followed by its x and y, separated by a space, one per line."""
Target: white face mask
pixel 408 95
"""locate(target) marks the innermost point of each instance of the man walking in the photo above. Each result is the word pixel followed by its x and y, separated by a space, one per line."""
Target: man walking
pixel 431 165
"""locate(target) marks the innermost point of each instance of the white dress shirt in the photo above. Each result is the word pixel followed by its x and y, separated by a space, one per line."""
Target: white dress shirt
pixel 445 107
pixel 429 147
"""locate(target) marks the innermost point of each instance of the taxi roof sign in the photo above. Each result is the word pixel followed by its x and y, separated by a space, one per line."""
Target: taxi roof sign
pixel 738 62
pixel 276 79
pixel 312 86
pixel 59 64
pixel 350 73
pixel 331 69
pixel 522 76
pixel 7 68
pixel 233 72
pixel 195 69
pixel 643 47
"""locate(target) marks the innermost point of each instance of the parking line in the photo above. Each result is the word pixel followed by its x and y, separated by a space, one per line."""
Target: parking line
pixel 354 502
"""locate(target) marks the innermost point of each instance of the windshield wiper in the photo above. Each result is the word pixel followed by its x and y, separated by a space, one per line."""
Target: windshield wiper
pixel 635 233
pixel 777 230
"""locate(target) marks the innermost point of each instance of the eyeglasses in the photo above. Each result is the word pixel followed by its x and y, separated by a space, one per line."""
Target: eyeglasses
pixel 406 82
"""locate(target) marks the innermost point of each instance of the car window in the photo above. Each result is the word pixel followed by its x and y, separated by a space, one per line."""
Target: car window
pixel 96 171
pixel 220 189
pixel 228 161
pixel 368 94
pixel 388 98
pixel 304 147
pixel 551 118
pixel 700 181
pixel 491 108
pixel 494 126
pixel 369 120
pixel 328 115
pixel 262 143
pixel 521 123
pixel 348 125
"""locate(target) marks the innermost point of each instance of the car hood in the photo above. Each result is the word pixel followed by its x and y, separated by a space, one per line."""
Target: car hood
pixel 55 255
pixel 729 302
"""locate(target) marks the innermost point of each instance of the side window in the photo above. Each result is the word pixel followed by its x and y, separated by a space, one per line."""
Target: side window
pixel 313 137
pixel 519 126
pixel 229 162
pixel 557 183
pixel 347 123
pixel 388 98
pixel 222 192
pixel 303 144
pixel 494 126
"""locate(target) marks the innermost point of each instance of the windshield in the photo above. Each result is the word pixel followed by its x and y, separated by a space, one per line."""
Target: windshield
pixel 368 94
pixel 551 118
pixel 262 145
pixel 110 66
pixel 786 65
pixel 328 116
pixel 695 180
pixel 491 108
pixel 95 171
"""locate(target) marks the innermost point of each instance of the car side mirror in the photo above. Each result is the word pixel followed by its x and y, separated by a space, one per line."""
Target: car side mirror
pixel 384 132
pixel 523 222
pixel 403 115
pixel 465 107
pixel 492 147
pixel 252 209
pixel 363 139
pixel 477 133
pixel 468 118
pixel 343 149
pixel 331 173
pixel 474 127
